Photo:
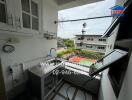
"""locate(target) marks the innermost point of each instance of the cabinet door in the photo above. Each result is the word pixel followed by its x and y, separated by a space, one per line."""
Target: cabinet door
pixel 2 85
pixel 27 16
pixel 6 15
pixel 49 84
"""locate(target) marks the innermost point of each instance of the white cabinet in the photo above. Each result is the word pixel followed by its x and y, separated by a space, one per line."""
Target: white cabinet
pixel 21 16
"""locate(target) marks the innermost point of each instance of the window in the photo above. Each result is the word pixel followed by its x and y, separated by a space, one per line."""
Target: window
pixel 100 47
pixel 90 39
pixel 2 11
pixel 79 44
pixel 81 38
pixel 102 39
pixel 117 74
pixel 89 46
pixel 30 14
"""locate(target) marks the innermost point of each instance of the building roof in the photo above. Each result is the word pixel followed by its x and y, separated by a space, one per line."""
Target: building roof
pixel 117 7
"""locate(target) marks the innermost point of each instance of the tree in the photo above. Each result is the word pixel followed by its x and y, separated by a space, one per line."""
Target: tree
pixel 69 43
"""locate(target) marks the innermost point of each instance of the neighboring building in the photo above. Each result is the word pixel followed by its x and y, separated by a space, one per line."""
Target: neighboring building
pixel 91 42
pixel 60 43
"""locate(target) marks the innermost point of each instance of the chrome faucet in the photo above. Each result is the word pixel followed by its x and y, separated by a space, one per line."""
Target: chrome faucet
pixel 50 54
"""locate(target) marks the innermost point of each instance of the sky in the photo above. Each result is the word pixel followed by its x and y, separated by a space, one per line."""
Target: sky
pixel 94 26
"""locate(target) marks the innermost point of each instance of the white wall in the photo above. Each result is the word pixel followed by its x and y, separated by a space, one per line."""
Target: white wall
pixel 29 47
pixel 50 14
pixel 111 40
pixel 106 91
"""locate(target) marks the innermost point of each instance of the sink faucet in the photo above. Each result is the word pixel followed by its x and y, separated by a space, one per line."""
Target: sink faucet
pixel 50 54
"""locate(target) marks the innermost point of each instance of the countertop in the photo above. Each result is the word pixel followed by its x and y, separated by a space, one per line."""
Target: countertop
pixel 43 68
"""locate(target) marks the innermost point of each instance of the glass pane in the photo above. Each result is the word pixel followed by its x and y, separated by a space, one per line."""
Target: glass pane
pixel 35 23
pixel 25 5
pixel 34 9
pixel 2 13
pixel 26 20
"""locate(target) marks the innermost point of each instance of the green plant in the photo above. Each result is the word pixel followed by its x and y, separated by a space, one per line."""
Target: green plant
pixel 69 43
pixel 67 51
pixel 82 53
pixel 90 54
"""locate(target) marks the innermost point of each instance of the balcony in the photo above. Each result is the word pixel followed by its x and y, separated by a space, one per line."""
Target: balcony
pixel 31 70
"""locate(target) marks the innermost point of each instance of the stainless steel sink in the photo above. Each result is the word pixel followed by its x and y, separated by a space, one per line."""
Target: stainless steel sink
pixel 54 62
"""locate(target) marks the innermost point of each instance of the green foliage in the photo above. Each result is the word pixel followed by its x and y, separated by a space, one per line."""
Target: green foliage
pixel 69 43
pixel 90 54
pixel 67 51
pixel 82 53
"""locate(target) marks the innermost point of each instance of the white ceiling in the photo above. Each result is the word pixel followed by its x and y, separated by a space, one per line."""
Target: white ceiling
pixel 61 2
pixel 65 4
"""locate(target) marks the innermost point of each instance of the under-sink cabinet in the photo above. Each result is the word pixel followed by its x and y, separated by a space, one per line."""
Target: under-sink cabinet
pixel 42 86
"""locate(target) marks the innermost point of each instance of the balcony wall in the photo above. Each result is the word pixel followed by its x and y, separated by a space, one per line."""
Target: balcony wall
pixel 28 48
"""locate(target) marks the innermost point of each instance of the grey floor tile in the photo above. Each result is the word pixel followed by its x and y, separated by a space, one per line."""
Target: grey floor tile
pixel 89 97
pixel 70 92
pixel 80 96
pixel 57 97
pixel 50 96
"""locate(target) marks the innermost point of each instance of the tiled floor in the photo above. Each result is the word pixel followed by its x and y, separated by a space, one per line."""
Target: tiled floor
pixel 74 93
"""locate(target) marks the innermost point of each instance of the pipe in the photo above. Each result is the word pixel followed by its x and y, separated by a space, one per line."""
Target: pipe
pixel 81 19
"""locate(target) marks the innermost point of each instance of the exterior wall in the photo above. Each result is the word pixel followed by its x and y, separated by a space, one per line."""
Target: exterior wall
pixel 29 47
pixel 95 43
pixel 106 90
pixel 111 40
pixel 94 47
pixel 50 14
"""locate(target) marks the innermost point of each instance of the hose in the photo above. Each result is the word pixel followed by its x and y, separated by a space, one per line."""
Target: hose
pixel 84 83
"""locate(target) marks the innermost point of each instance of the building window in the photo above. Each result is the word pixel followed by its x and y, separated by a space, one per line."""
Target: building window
pixel 30 14
pixel 2 11
pixel 81 38
pixel 101 47
pixel 89 46
pixel 102 40
pixel 79 44
pixel 90 39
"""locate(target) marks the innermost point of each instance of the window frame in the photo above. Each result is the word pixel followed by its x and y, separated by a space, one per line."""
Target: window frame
pixel 90 39
pixel 4 2
pixel 89 46
pixel 31 15
pixel 101 47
